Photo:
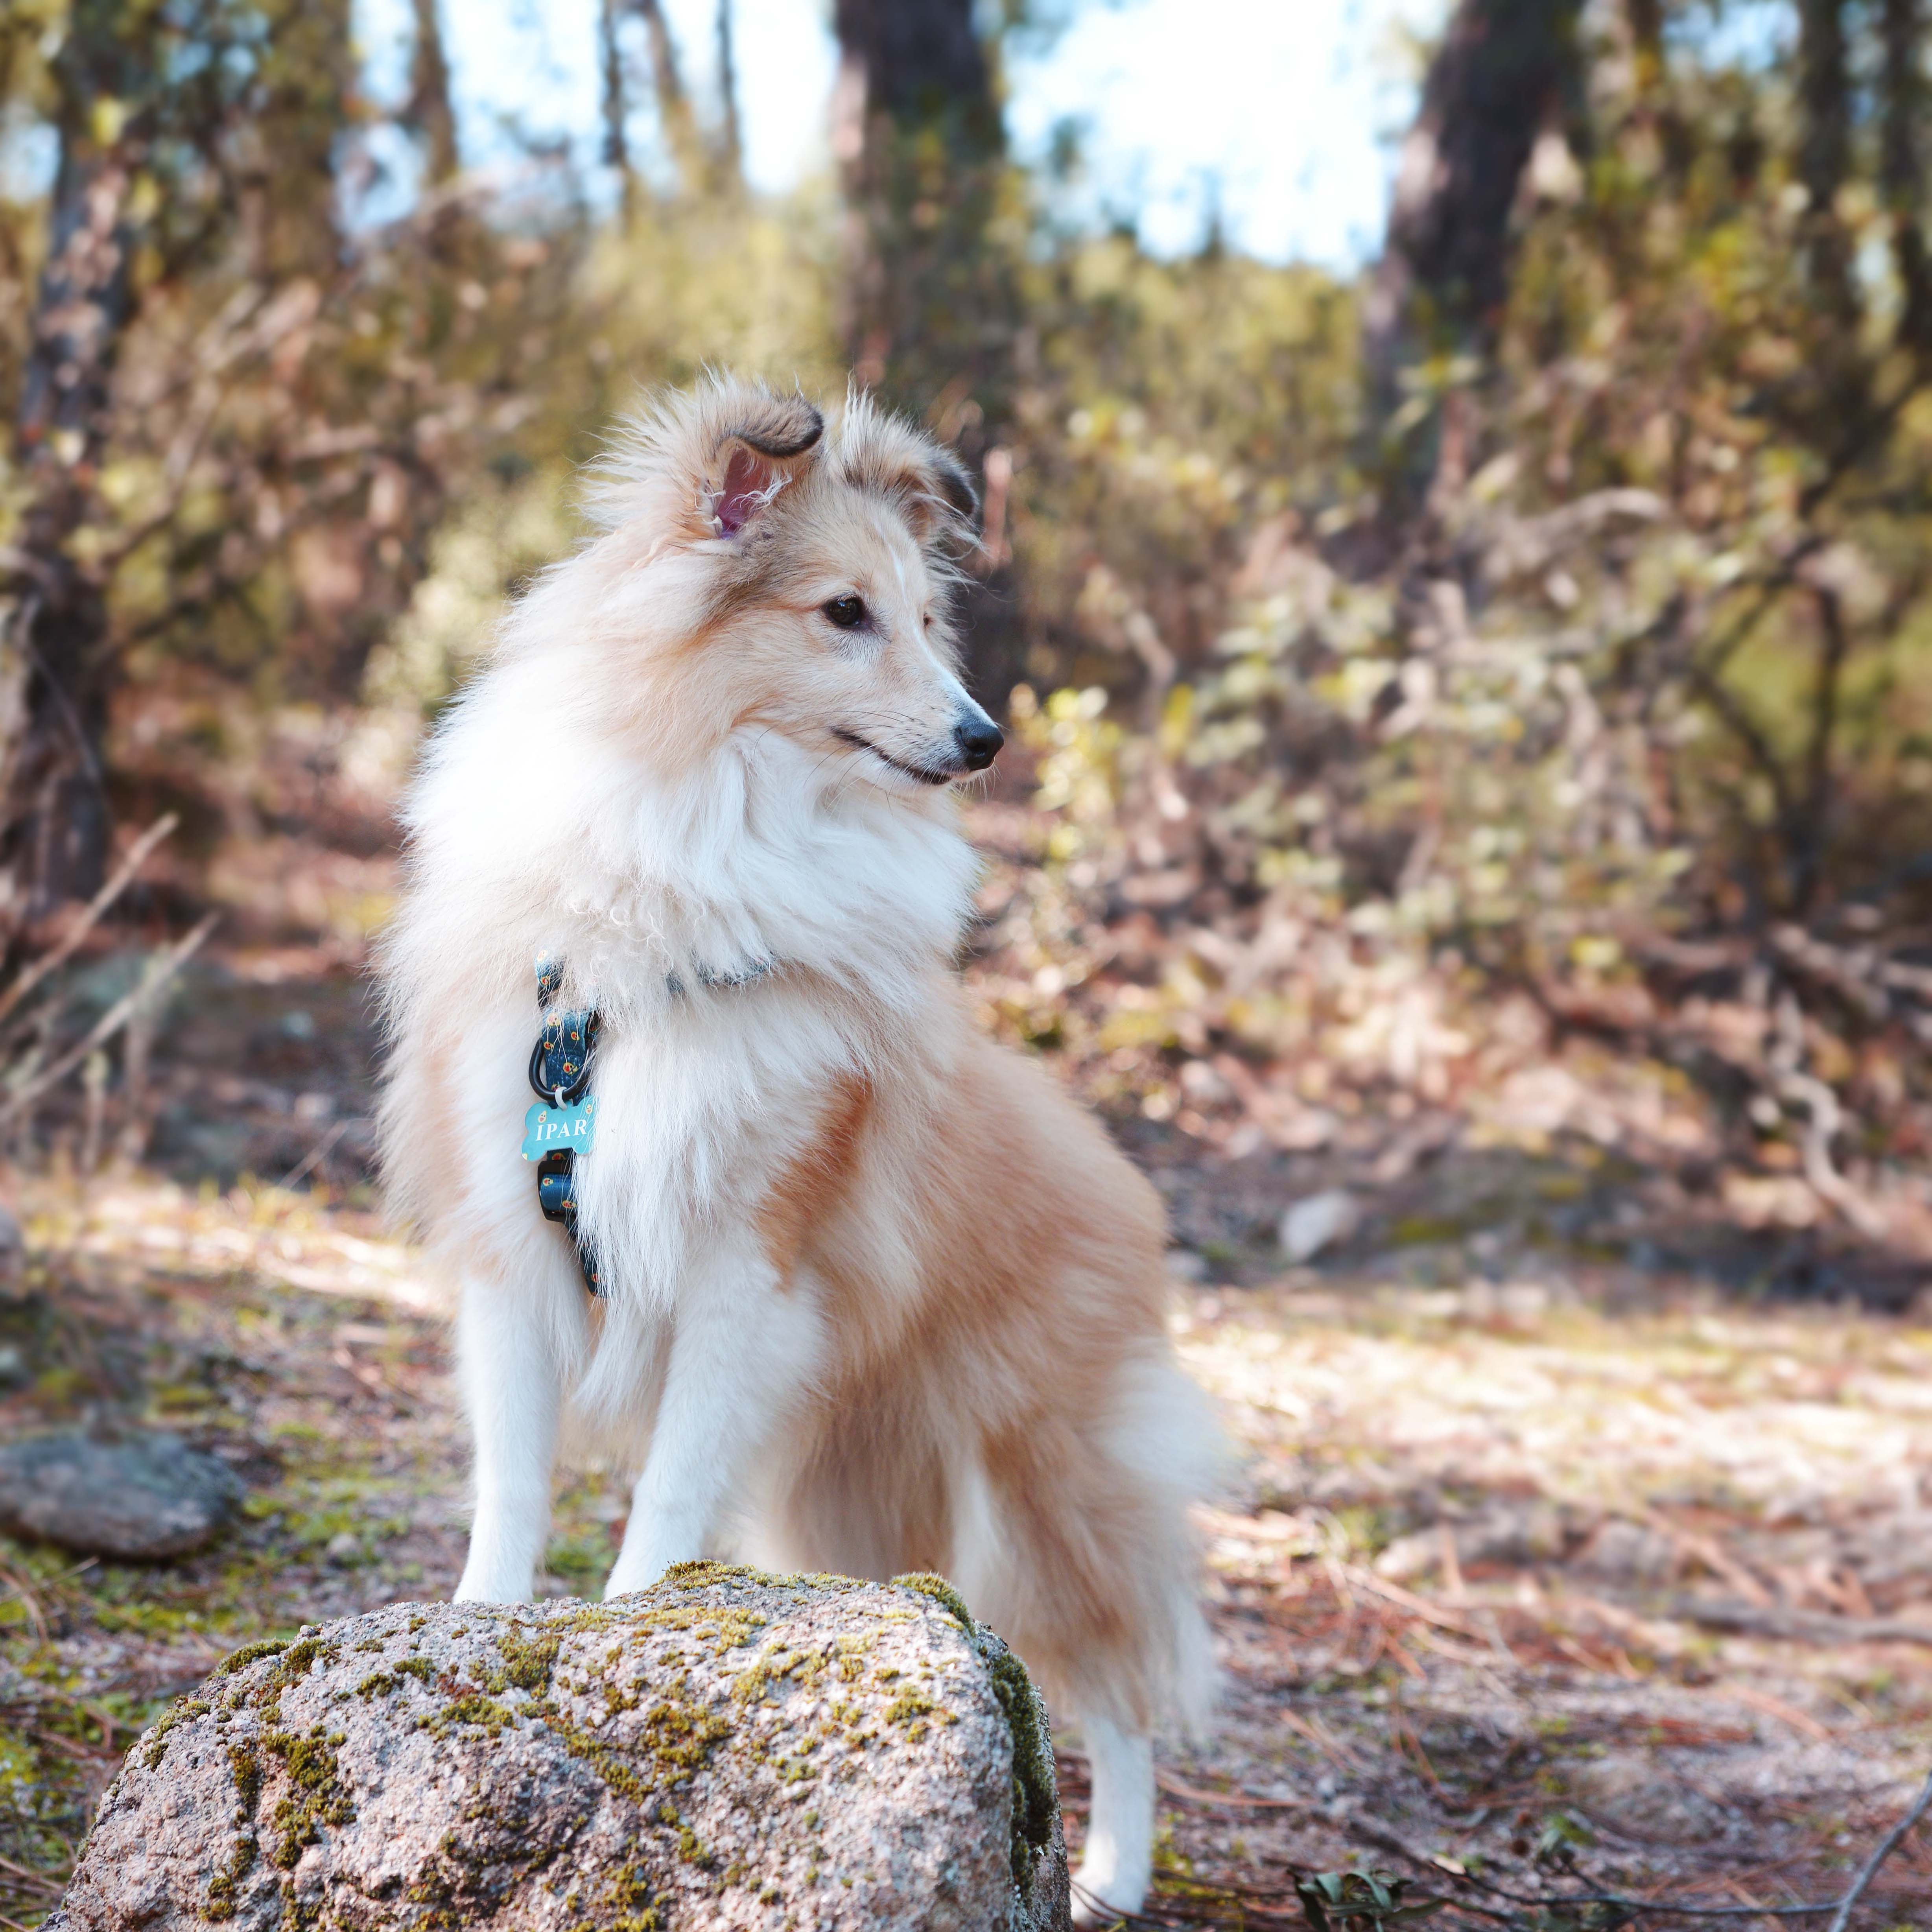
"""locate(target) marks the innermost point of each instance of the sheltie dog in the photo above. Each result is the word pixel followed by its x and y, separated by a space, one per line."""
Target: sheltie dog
pixel 874 1295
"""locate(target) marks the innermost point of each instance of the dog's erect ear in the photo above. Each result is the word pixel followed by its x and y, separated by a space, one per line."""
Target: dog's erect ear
pixel 701 465
pixel 929 485
pixel 952 481
pixel 936 490
pixel 759 453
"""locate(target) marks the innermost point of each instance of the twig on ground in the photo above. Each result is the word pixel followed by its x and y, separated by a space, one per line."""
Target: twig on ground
pixel 31 1877
pixel 1883 1850
pixel 1799 1626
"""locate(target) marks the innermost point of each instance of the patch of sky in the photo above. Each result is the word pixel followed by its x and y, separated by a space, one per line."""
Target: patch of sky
pixel 526 84
pixel 1273 122
pixel 1754 34
pixel 1272 125
pixel 29 153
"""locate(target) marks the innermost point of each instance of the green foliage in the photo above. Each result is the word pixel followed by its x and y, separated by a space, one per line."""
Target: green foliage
pixel 1175 408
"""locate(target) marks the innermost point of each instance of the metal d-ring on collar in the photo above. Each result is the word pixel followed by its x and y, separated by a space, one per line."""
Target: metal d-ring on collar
pixel 560 1072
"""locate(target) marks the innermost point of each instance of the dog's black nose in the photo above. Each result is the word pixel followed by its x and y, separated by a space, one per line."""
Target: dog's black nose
pixel 978 740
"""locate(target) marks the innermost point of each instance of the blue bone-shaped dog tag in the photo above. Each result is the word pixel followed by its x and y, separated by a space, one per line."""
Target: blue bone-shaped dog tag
pixel 548 1127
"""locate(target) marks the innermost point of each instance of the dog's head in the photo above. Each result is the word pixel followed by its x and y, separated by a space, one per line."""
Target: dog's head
pixel 790 578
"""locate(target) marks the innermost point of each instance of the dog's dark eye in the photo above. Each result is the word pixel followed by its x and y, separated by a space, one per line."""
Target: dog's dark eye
pixel 847 613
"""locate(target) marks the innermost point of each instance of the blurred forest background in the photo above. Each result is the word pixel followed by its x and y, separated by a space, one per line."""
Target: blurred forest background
pixel 1468 822
pixel 1487 695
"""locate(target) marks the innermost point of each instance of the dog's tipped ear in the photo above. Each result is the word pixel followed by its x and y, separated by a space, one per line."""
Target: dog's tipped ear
pixel 761 452
pixel 780 426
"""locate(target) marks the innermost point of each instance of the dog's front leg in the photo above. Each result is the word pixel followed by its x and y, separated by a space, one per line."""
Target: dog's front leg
pixel 513 1389
pixel 744 1345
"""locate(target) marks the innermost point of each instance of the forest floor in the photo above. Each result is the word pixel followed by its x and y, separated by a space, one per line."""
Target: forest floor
pixel 1535 1567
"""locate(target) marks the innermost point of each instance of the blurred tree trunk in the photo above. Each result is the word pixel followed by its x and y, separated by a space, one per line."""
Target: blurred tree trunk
pixel 1902 168
pixel 676 122
pixel 616 109
pixel 1646 30
pixel 54 672
pixel 1825 150
pixel 308 82
pixel 428 111
pixel 931 302
pixel 731 136
pixel 1506 71
pixel 919 135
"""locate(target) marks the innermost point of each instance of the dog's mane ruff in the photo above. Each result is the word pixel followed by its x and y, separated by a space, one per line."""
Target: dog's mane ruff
pixel 750 860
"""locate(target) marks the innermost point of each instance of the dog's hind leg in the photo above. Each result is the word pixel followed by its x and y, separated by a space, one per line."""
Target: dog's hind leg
pixel 746 1344
pixel 512 1375
pixel 1117 1862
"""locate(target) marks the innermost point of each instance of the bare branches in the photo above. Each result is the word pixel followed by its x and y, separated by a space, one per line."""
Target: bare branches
pixel 69 940
pixel 1809 834
pixel 155 980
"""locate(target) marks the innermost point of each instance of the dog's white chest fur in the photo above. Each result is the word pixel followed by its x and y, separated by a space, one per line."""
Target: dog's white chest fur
pixel 701 1106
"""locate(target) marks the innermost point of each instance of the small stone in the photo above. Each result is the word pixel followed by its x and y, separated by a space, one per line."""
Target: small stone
pixel 1322 1221
pixel 727 1749
pixel 138 1496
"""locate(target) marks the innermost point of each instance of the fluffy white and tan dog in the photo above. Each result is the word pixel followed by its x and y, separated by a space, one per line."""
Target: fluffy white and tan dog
pixel 877 1296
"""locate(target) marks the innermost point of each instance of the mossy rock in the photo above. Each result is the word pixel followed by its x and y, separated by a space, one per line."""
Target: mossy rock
pixel 728 1749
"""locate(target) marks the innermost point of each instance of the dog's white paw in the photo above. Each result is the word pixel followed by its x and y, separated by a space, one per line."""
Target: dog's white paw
pixel 1099 1902
pixel 639 1570
pixel 1110 1884
pixel 481 1584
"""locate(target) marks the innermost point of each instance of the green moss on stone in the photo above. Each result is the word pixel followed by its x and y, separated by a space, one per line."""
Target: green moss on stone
pixel 942 1593
pixel 380 1683
pixel 224 1888
pixel 181 1713
pixel 246 1763
pixel 472 1705
pixel 630 1894
pixel 315 1797
pixel 1035 1796
pixel 529 1660
pixel 249 1653
pixel 690 1846
pixel 704 1572
pixel 911 1705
